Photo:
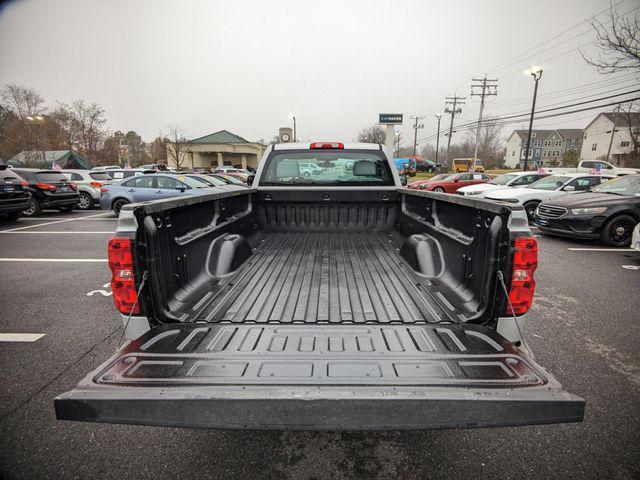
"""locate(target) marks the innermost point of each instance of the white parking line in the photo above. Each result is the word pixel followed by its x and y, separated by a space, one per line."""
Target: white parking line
pixel 58 232
pixel 601 249
pixel 58 260
pixel 40 219
pixel 55 221
pixel 20 337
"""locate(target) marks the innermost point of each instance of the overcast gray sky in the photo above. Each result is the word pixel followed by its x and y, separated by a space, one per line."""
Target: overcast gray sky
pixel 245 66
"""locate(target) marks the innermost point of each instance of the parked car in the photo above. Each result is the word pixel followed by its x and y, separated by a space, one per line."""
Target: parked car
pixel 48 190
pixel 142 188
pixel 607 212
pixel 106 167
pixel 228 180
pixel 14 197
pixel 347 305
pixel 88 184
pixel 232 179
pixel 213 181
pixel 635 238
pixel 121 173
pixel 546 189
pixel 453 182
pixel 422 184
pixel 514 179
pixel 424 165
pixel 227 170
pixel 593 166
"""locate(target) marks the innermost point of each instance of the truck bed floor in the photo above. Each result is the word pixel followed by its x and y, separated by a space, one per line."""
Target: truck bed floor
pixel 323 277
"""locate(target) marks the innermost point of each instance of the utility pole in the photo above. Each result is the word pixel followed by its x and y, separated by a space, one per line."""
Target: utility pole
pixel 536 74
pixel 613 131
pixel 398 142
pixel 438 138
pixel 416 126
pixel 487 88
pixel 456 103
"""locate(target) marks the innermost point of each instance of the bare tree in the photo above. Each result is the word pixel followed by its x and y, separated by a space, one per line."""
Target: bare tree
pixel 372 134
pixel 86 124
pixel 178 147
pixel 630 116
pixel 21 100
pixel 489 141
pixel 619 43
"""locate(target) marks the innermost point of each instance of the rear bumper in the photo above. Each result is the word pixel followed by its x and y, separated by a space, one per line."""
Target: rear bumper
pixel 52 202
pixel 13 205
pixel 324 408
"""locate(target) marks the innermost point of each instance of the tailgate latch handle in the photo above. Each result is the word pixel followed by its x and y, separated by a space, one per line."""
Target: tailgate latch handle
pixel 326 196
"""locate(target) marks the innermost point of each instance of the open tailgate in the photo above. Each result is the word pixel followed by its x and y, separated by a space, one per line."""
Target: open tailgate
pixel 320 377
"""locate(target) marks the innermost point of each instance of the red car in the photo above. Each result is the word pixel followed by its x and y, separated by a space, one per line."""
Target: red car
pixel 421 184
pixel 451 183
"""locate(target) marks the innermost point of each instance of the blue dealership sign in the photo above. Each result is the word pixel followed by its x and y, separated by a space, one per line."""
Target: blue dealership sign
pixel 390 118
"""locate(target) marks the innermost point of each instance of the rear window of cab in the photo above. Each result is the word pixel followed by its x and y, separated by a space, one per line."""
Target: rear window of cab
pixel 326 168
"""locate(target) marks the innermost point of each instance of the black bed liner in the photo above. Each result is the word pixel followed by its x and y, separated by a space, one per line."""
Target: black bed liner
pixel 330 277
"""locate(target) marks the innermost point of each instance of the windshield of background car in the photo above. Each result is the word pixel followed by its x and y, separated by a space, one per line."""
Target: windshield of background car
pixel 49 177
pixel 627 185
pixel 191 182
pixel 550 183
pixel 335 168
pixel 502 179
pixel 450 177
pixel 101 177
pixel 440 176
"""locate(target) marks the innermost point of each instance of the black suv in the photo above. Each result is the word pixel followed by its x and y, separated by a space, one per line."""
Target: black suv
pixel 14 197
pixel 607 212
pixel 48 189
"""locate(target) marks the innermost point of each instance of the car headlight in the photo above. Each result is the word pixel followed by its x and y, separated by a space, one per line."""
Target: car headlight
pixel 586 211
pixel 472 193
pixel 508 200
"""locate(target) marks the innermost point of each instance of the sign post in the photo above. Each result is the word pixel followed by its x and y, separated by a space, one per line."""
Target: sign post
pixel 390 120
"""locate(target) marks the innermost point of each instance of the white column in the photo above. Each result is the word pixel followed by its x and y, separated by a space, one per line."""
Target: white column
pixel 244 161
pixel 389 139
pixel 220 163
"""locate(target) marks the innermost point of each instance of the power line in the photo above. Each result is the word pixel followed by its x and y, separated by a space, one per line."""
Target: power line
pixel 515 116
pixel 416 126
pixel 456 103
pixel 502 122
pixel 486 88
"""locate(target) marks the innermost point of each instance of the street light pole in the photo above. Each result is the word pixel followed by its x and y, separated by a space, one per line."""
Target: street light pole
pixel 40 120
pixel 536 74
pixel 295 137
pixel 398 142
pixel 438 138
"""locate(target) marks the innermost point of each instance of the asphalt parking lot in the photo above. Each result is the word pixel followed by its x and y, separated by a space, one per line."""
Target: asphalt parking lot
pixel 584 328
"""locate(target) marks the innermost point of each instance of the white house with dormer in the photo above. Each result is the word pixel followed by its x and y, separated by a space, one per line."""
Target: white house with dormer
pixel 600 133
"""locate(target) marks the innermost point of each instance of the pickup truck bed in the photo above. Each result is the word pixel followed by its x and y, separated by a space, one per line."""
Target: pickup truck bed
pixel 327 308
pixel 324 277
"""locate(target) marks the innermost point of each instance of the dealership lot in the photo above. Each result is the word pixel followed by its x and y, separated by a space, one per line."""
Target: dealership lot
pixel 583 327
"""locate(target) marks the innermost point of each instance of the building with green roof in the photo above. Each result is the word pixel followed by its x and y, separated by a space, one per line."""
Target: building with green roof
pixel 219 149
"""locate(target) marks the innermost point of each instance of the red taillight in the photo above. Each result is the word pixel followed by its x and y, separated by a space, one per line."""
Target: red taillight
pixel 123 282
pixel 104 190
pixel 45 186
pixel 24 183
pixel 327 145
pixel 95 184
pixel 523 285
pixel 73 186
